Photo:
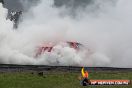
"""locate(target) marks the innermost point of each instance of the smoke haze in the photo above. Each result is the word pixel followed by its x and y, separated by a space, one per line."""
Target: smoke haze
pixel 102 26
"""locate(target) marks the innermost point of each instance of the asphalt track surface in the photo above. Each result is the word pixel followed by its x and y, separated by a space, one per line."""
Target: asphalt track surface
pixel 43 68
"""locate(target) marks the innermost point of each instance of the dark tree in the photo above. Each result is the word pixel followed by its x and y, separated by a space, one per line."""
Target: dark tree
pixel 2 1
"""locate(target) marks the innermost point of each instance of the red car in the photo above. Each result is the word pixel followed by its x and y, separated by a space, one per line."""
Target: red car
pixel 49 47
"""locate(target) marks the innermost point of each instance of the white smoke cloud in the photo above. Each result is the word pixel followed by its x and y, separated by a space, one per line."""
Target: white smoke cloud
pixel 102 27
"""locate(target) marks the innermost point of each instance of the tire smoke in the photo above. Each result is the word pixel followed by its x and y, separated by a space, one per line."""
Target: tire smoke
pixel 103 27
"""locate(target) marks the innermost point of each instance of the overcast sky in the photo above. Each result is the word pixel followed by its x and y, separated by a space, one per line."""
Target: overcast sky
pixel 13 4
